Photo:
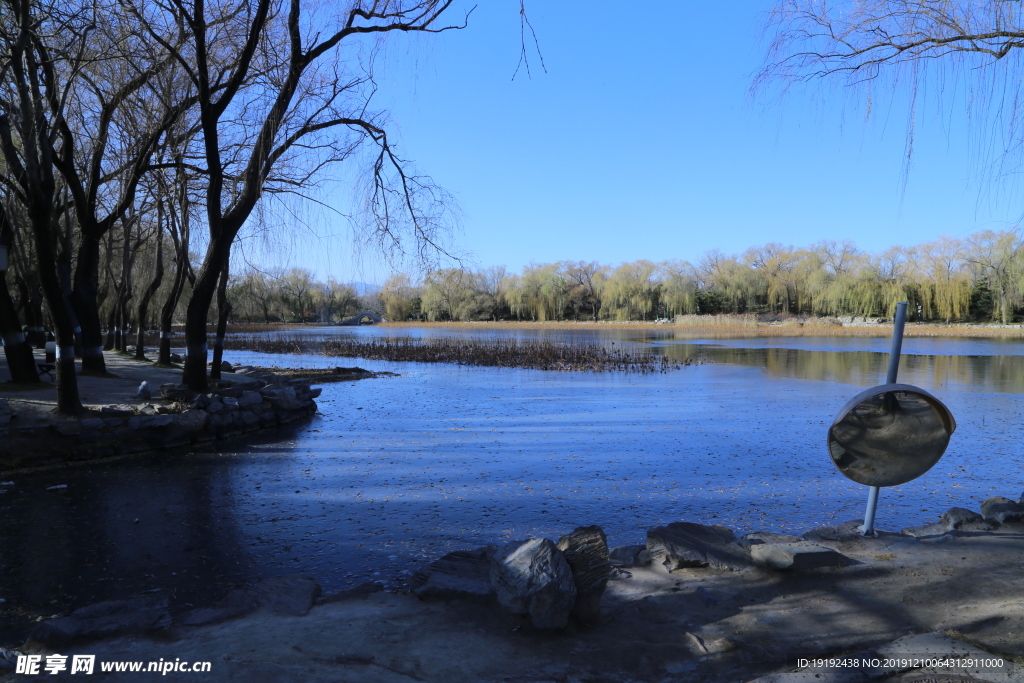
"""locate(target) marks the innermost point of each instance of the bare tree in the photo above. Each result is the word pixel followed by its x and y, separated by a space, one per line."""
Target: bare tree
pixel 271 88
pixel 32 80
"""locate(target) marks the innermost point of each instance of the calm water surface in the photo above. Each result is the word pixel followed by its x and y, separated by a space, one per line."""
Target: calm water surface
pixel 397 470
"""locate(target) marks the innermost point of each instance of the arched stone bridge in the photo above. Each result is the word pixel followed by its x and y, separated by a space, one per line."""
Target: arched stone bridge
pixel 364 318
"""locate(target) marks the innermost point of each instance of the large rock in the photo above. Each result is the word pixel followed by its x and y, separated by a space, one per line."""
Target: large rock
pixel 685 544
pixel 847 531
pixel 999 510
pixel 799 555
pixel 532 577
pixel 250 398
pixel 629 556
pixel 237 603
pixel 104 620
pixel 586 551
pixel 292 594
pixel 149 421
pixel 283 398
pixel 958 518
pixel 464 574
pixel 190 420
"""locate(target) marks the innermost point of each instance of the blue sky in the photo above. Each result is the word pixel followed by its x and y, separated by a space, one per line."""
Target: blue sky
pixel 642 141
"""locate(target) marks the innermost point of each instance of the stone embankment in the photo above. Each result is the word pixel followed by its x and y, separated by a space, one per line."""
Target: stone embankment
pixel 252 399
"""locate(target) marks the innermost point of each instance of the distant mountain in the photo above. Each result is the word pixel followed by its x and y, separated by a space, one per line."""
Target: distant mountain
pixel 364 288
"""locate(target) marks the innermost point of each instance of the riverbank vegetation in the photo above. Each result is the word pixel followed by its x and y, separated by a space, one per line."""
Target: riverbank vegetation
pixel 505 353
pixel 979 278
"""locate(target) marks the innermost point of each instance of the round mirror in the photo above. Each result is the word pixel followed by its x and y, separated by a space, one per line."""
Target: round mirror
pixel 889 435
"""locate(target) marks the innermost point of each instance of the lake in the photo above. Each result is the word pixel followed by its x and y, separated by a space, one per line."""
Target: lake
pixel 397 470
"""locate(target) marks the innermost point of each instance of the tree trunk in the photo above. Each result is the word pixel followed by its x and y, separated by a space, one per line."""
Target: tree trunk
pixel 33 305
pixel 68 401
pixel 223 311
pixel 18 350
pixel 20 361
pixel 84 299
pixel 217 252
pixel 111 322
pixel 158 276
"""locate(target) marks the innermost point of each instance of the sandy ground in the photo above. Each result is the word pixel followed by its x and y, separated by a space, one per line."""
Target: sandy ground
pixel 691 625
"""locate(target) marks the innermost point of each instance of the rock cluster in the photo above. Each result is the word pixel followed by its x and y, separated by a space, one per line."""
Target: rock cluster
pixel 995 511
pixel 548 582
pixel 536 578
pixel 256 401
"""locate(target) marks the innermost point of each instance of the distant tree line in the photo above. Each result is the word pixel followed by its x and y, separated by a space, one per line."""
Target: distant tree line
pixel 980 277
pixel 294 296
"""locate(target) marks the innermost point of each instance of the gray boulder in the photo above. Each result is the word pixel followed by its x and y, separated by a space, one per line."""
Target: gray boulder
pixel 236 603
pixel 629 556
pixel 1000 510
pixel 8 659
pixel 250 398
pixel 962 518
pixel 144 392
pixel 847 531
pixel 190 420
pixel 586 551
pixel 104 620
pixel 532 577
pixel 292 594
pixel 799 555
pixel 685 544
pixel 768 537
pixel 149 421
pixel 463 574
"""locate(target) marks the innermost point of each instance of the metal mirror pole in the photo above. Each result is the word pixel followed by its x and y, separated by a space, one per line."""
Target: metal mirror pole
pixel 890 378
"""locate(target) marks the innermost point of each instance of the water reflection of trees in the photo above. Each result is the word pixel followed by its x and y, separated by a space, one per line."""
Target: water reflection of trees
pixel 997 373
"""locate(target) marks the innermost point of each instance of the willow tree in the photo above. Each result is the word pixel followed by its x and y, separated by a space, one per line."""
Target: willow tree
pixel 999 257
pixel 881 47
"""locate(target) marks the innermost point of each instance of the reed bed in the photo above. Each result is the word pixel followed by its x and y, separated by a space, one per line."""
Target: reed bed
pixel 504 353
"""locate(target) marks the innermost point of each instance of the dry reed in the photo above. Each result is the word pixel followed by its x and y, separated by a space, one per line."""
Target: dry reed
pixel 505 353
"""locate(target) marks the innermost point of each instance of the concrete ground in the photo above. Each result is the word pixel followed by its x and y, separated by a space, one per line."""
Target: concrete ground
pixel 691 625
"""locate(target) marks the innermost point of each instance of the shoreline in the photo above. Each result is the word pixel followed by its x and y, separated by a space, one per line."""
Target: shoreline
pixel 121 420
pixel 954 584
pixel 709 328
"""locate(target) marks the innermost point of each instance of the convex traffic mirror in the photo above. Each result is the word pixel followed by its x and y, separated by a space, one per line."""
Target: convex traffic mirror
pixel 889 435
